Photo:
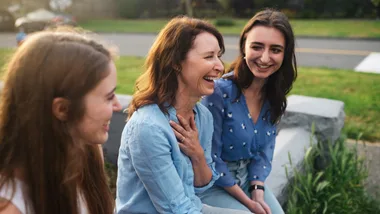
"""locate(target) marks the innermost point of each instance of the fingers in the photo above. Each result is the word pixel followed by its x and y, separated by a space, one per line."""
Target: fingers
pixel 178 128
pixel 183 123
pixel 266 207
pixel 179 136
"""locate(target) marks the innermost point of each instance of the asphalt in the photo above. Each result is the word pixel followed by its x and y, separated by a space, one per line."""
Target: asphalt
pixel 314 52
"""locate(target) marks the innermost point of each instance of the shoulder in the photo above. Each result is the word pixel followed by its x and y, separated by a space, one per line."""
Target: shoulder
pixel 8 207
pixel 13 197
pixel 148 115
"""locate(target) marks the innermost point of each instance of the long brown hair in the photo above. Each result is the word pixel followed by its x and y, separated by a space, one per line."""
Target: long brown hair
pixel 279 83
pixel 55 169
pixel 158 84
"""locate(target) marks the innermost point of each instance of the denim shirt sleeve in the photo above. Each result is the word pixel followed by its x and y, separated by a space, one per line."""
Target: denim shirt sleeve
pixel 150 152
pixel 209 160
pixel 215 104
pixel 261 164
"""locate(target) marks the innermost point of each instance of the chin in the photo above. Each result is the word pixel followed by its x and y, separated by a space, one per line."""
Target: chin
pixel 207 92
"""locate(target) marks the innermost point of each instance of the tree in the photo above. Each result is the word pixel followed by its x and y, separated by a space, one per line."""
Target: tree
pixel 376 3
pixel 189 8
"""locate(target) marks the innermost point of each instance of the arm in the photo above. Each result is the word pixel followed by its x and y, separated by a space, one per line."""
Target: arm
pixel 151 157
pixel 215 105
pixel 260 167
pixel 261 164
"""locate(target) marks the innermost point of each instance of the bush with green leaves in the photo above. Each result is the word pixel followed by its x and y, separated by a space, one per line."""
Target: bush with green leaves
pixel 224 22
pixel 337 187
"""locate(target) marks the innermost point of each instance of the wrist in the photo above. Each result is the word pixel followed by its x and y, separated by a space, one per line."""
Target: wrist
pixel 198 157
pixel 256 187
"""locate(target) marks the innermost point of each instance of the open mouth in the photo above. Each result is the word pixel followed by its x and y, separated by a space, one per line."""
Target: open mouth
pixel 210 79
pixel 263 66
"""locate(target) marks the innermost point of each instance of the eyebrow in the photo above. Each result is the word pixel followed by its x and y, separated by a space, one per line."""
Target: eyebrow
pixel 211 52
pixel 111 92
pixel 262 44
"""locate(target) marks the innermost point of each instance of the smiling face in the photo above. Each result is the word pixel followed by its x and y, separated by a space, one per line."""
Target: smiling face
pixel 264 50
pixel 99 105
pixel 201 66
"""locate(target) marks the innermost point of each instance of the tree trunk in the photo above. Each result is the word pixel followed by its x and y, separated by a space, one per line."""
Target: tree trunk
pixel 189 8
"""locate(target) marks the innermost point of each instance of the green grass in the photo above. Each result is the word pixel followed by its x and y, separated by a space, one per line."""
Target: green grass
pixel 359 92
pixel 323 28
pixel 331 181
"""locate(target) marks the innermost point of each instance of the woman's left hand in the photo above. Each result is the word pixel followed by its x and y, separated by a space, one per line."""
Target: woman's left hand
pixel 187 135
pixel 258 196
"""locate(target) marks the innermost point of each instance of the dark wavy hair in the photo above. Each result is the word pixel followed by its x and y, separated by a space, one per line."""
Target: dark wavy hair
pixel 279 83
pixel 158 84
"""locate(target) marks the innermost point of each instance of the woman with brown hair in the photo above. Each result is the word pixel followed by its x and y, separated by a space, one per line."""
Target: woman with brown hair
pixel 163 164
pixel 246 106
pixel 56 106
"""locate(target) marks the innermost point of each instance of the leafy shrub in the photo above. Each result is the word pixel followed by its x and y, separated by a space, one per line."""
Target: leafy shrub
pixel 336 188
pixel 224 22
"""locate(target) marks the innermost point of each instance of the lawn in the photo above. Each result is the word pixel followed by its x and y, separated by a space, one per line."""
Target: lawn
pixel 321 28
pixel 359 91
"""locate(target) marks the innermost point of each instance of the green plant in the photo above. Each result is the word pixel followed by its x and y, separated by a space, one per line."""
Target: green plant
pixel 224 22
pixel 336 188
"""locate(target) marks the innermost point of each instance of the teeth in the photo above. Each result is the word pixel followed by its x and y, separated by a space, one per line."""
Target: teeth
pixel 210 78
pixel 263 66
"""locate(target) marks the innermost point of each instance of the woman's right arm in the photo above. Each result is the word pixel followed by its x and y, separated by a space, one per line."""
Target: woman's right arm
pixel 151 157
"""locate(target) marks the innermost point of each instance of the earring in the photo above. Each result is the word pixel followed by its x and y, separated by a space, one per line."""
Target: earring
pixel 244 58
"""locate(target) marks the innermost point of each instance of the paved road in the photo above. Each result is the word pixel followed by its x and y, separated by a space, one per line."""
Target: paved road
pixel 331 53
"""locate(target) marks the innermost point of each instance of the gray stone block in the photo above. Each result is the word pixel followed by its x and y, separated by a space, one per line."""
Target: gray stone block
pixel 326 114
pixel 293 141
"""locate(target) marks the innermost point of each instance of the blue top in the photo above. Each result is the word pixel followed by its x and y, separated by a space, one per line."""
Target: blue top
pixel 154 176
pixel 236 136
pixel 20 36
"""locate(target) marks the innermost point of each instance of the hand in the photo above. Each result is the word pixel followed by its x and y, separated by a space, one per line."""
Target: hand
pixel 256 208
pixel 258 196
pixel 187 135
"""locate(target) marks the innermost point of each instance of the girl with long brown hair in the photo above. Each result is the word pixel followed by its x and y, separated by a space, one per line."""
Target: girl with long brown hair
pixel 56 106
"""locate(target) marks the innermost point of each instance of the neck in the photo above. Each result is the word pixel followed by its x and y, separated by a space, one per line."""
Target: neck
pixel 255 89
pixel 184 103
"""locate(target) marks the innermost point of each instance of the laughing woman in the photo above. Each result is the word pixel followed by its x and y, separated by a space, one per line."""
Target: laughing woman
pixel 246 105
pixel 165 152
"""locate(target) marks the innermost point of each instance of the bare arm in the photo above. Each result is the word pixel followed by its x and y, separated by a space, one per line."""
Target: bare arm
pixel 240 195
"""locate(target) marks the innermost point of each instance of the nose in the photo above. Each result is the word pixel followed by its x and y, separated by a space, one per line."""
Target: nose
pixel 265 57
pixel 116 105
pixel 219 66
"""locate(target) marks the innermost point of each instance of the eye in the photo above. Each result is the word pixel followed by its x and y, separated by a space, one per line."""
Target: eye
pixel 276 50
pixel 256 48
pixel 209 57
pixel 111 97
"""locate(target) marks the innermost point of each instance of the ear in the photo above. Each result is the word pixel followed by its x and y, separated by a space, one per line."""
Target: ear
pixel 60 108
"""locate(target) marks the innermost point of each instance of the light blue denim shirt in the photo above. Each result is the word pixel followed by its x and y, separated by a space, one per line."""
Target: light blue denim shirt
pixel 154 176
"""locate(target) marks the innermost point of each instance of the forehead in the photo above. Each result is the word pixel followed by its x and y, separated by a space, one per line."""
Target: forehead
pixel 265 35
pixel 205 41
